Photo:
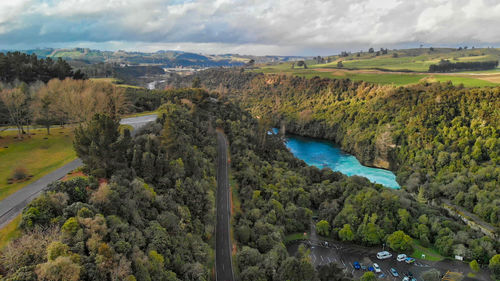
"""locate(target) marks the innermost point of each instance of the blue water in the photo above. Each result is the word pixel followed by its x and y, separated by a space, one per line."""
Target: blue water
pixel 322 154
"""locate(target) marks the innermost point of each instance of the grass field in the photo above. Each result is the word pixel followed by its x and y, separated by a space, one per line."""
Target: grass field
pixel 10 231
pixel 37 155
pixel 430 254
pixel 383 69
pixel 380 77
pixel 114 81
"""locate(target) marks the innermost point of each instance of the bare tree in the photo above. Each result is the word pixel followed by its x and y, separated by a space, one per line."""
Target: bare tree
pixel 14 100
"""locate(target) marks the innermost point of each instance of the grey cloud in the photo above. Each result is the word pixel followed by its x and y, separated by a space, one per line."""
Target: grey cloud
pixel 305 27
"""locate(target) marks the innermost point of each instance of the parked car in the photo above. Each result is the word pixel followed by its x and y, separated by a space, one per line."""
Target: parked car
pixel 371 269
pixel 409 260
pixel 356 265
pixel 381 276
pixel 394 272
pixel 406 278
pixel 363 267
pixel 401 257
pixel 383 255
pixel 377 268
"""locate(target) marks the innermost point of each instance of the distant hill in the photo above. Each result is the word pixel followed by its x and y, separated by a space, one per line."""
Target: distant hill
pixel 164 58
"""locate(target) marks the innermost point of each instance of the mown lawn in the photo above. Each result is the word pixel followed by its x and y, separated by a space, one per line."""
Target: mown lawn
pixel 37 155
pixel 10 231
pixel 430 254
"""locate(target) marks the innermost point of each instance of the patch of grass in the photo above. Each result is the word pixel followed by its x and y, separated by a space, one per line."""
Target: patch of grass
pixel 122 128
pixel 466 81
pixel 140 114
pixel 430 254
pixel 37 155
pixel 10 231
pixel 115 81
pixel 295 236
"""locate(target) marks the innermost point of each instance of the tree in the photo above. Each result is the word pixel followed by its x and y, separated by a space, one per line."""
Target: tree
pixel 371 50
pixel 302 63
pixel 421 195
pixel 431 275
pixel 15 101
pixel 323 228
pixel 474 266
pixel 495 266
pixel 331 272
pixel 399 241
pixel 62 268
pixel 340 64
pixel 368 276
pixel 346 234
pixel 293 269
pixel 196 83
pixel 99 146
pixel 44 109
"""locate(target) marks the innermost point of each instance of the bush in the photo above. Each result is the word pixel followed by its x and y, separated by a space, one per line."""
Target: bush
pixel 20 173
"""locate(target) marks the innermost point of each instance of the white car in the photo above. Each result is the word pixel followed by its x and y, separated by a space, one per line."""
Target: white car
pixel 377 268
pixel 383 255
pixel 401 257
pixel 406 278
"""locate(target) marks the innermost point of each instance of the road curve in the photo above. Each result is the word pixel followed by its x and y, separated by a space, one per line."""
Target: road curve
pixel 223 263
pixel 13 205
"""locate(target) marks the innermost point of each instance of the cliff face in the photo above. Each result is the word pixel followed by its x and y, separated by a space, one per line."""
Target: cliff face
pixel 378 153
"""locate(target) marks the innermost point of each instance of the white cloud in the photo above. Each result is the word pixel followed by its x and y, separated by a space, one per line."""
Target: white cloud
pixel 292 26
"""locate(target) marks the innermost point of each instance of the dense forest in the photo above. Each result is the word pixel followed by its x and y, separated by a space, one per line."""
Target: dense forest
pixel 441 140
pixel 447 66
pixel 146 211
pixel 28 68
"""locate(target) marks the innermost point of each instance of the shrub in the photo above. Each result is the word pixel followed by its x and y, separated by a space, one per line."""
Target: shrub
pixel 20 173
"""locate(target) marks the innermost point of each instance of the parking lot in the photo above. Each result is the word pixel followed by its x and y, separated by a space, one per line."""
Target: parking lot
pixel 345 254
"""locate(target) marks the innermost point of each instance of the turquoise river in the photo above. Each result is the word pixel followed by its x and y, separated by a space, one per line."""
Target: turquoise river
pixel 322 154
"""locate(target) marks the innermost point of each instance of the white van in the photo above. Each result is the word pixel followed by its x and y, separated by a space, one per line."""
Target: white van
pixel 383 255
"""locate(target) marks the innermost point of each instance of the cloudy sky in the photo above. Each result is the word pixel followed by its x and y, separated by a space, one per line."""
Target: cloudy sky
pixel 260 27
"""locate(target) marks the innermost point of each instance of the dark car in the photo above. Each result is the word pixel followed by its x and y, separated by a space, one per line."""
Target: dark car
pixel 371 269
pixel 356 265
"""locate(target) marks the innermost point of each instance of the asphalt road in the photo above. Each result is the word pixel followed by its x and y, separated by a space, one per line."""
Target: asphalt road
pixel 13 205
pixel 223 263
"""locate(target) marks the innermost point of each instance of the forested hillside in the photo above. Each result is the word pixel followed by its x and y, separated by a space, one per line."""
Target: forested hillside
pixel 146 212
pixel 441 140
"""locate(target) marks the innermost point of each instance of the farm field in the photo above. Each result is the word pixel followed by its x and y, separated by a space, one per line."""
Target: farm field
pixel 37 155
pixel 398 67
pixel 381 77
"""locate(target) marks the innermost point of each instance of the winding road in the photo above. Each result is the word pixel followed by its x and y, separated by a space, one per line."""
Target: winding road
pixel 13 205
pixel 223 263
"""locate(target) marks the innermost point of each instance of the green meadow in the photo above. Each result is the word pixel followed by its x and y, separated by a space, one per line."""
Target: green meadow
pixel 37 155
